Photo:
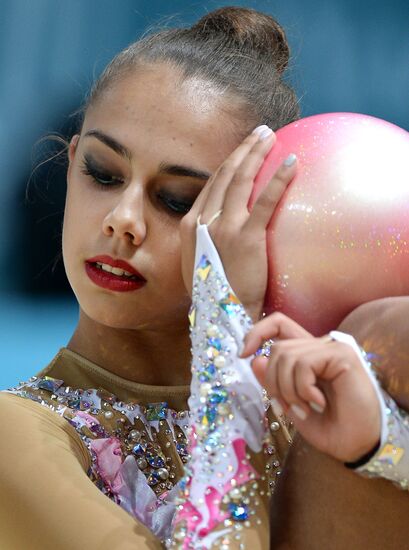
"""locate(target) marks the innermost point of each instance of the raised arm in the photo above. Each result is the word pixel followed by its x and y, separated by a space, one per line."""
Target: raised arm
pixel 47 500
pixel 233 466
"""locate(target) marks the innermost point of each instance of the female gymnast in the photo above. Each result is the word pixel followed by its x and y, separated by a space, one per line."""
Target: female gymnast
pixel 107 446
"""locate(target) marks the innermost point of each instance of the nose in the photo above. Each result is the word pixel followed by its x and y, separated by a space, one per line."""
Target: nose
pixel 126 219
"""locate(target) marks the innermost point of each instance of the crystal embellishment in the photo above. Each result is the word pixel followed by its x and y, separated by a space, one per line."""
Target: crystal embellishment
pixel 49 383
pixel 231 304
pixel 156 411
pixel 203 268
pixel 391 454
pixel 238 512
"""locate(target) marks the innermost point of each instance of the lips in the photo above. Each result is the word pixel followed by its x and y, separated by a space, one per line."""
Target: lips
pixel 116 281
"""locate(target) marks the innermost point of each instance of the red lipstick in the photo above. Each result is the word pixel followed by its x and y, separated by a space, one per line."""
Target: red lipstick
pixel 113 281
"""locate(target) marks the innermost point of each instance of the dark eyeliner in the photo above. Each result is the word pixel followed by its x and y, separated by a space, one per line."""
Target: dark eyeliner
pixel 175 205
pixel 99 175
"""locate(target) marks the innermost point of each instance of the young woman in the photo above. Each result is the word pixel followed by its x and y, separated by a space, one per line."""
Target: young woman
pixel 152 206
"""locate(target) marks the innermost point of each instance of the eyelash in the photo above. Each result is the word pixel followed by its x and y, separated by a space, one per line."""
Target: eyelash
pixel 104 179
pixel 176 206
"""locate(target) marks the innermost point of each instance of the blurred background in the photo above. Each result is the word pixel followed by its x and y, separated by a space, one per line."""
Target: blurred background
pixel 347 56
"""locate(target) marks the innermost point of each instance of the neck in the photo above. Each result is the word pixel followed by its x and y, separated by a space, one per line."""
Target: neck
pixel 149 356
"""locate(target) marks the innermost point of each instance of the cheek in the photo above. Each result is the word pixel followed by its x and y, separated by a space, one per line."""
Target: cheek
pixel 79 223
pixel 169 263
pixel 171 247
pixel 70 238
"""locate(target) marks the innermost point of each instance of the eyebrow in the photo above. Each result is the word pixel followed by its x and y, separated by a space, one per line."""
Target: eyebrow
pixel 164 168
pixel 110 142
pixel 183 171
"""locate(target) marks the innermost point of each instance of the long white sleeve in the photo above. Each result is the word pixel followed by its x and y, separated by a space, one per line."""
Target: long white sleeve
pixel 391 460
pixel 221 492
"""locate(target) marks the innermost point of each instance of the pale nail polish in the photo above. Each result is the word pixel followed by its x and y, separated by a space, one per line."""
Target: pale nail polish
pixel 260 129
pixel 265 134
pixel 289 161
pixel 299 412
pixel 315 407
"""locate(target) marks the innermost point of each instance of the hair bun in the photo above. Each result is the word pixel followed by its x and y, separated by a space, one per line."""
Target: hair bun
pixel 249 30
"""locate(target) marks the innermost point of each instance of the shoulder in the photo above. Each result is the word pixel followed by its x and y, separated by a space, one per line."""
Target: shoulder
pixel 27 425
pixel 380 312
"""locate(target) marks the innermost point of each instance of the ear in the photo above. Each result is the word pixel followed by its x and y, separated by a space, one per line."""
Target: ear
pixel 72 148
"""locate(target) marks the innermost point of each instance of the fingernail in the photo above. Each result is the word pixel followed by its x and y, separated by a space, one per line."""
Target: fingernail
pixel 240 349
pixel 299 412
pixel 260 129
pixel 289 161
pixel 315 407
pixel 263 132
pixel 266 134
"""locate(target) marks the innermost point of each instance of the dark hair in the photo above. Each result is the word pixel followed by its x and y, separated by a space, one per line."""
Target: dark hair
pixel 240 50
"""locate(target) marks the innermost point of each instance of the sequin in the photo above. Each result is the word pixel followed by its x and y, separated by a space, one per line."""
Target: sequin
pixel 156 411
pixel 139 449
pixel 192 316
pixel 205 376
pixel 215 343
pixel 231 304
pixel 391 454
pixel 135 435
pixel 218 395
pixel 105 395
pixel 49 383
pixel 155 461
pixel 74 403
pixel 238 512
pixel 142 463
pixel 203 268
pixel 212 331
pixel 265 349
pixel 154 479
pixel 182 449
pixel 219 361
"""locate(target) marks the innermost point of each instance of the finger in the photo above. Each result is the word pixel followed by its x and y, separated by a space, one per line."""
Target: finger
pixel 285 378
pixel 274 326
pixel 268 374
pixel 300 360
pixel 278 405
pixel 222 177
pixel 200 201
pixel 267 202
pixel 287 386
pixel 237 194
pixel 306 386
pixel 333 359
pixel 259 366
pixel 285 406
pixel 225 173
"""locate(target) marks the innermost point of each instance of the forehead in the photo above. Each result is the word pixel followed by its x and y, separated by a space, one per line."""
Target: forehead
pixel 157 111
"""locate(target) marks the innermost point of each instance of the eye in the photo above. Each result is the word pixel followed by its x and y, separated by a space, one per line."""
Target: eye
pixel 175 204
pixel 98 174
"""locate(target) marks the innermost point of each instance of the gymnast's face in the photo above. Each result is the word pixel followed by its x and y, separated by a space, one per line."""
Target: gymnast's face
pixel 146 149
